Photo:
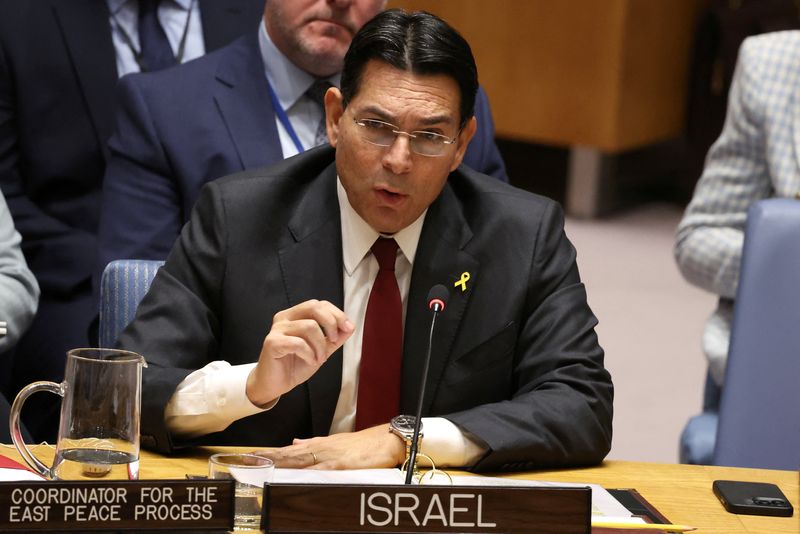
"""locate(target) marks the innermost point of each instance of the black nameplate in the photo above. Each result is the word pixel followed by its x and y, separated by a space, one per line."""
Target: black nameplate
pixel 312 508
pixel 116 505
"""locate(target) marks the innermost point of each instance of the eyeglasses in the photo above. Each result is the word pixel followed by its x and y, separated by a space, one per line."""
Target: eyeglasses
pixel 421 142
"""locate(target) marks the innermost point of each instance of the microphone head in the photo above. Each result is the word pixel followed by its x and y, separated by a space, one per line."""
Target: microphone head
pixel 437 298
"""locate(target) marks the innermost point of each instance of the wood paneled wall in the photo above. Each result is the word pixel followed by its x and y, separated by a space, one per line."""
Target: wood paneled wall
pixel 608 74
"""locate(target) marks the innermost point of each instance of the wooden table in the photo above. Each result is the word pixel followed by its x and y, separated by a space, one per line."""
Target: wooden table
pixel 681 492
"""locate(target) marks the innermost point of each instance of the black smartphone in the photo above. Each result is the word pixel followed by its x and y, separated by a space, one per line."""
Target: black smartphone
pixel 752 498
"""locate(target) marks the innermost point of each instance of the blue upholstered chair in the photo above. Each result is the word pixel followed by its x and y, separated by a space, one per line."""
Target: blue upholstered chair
pixel 700 433
pixel 122 286
pixel 757 423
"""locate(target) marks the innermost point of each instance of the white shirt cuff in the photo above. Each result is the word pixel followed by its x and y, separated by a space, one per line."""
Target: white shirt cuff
pixel 447 445
pixel 210 399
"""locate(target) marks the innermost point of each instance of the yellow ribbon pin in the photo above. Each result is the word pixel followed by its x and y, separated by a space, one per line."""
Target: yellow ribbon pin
pixel 462 282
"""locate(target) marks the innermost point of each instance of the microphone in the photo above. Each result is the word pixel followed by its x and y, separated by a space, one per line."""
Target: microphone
pixel 437 302
pixel 437 298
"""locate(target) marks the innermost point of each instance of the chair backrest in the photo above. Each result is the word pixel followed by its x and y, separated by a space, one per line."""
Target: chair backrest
pixel 122 286
pixel 759 418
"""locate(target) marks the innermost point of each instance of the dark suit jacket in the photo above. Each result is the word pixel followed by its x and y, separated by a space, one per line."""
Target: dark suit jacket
pixel 515 362
pixel 57 77
pixel 181 128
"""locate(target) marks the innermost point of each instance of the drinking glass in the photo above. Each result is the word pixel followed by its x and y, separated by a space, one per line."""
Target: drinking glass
pixel 250 472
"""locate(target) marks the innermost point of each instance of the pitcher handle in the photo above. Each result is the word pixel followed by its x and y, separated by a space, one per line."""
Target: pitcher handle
pixel 16 433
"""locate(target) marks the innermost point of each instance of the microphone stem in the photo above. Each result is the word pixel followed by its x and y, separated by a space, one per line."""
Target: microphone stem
pixel 412 455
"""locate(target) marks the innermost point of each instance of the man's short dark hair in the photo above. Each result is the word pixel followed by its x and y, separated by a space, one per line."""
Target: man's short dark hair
pixel 418 42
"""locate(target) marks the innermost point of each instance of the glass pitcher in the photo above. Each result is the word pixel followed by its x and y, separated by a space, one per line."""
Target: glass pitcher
pixel 98 434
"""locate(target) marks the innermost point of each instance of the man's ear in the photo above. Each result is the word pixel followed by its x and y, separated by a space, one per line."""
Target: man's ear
pixel 463 140
pixel 334 110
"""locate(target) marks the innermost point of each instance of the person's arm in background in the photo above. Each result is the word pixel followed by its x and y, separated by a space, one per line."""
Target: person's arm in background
pixel 46 238
pixel 709 239
pixel 19 292
pixel 141 211
pixel 482 153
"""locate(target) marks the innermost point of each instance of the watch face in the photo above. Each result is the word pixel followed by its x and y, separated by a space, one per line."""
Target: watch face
pixel 404 423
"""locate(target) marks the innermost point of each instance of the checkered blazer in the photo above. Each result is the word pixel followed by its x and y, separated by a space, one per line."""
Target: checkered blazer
pixel 755 157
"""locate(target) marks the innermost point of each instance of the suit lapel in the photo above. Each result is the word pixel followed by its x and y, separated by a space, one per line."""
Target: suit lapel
pixel 440 259
pixel 87 37
pixel 311 264
pixel 242 97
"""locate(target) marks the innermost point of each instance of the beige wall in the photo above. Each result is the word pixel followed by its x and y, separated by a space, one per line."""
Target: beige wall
pixel 610 74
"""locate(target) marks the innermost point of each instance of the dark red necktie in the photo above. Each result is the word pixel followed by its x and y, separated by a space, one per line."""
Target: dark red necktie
pixel 381 344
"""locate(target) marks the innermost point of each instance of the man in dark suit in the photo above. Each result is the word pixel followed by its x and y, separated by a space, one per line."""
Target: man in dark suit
pixel 516 379
pixel 58 69
pixel 181 128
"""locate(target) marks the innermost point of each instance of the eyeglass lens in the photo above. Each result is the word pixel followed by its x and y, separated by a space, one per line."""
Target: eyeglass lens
pixel 384 134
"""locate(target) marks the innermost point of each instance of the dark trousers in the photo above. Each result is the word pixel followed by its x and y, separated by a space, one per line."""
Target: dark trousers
pixel 60 325
pixel 5 419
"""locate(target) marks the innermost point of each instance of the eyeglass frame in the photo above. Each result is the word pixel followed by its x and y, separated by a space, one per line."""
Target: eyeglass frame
pixel 415 134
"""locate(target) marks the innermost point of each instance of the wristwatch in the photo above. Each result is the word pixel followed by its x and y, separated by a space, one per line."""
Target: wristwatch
pixel 403 426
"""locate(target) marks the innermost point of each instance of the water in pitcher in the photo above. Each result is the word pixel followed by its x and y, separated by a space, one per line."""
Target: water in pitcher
pixel 95 464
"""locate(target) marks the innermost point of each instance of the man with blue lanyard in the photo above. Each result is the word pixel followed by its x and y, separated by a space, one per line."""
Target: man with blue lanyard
pixel 251 104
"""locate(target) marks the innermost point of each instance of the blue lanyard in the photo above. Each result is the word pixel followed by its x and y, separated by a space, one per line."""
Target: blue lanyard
pixel 284 119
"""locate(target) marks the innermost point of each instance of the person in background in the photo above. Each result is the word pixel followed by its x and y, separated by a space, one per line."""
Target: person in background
pixel 250 104
pixel 19 292
pixel 19 296
pixel 59 63
pixel 333 252
pixel 754 158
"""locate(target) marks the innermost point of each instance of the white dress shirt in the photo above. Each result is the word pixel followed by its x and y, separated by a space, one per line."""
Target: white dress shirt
pixel 290 84
pixel 124 17
pixel 211 398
